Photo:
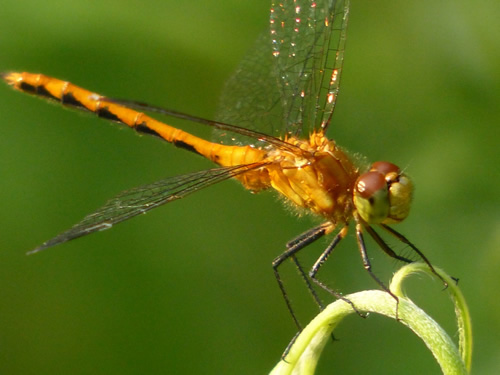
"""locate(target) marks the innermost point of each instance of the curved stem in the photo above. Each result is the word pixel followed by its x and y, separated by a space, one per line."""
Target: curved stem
pixel 461 310
pixel 306 350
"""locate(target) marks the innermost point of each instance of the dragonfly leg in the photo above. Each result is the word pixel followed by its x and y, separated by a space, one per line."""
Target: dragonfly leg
pixel 403 239
pixel 383 245
pixel 293 247
pixel 307 280
pixel 307 235
pixel 322 259
pixel 367 265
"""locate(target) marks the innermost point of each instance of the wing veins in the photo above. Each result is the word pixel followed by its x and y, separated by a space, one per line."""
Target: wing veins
pixel 139 200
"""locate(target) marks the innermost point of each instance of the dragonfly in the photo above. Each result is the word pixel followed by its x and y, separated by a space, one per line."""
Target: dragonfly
pixel 270 135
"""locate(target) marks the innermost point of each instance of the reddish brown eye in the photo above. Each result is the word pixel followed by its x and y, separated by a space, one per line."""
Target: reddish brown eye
pixel 385 167
pixel 370 183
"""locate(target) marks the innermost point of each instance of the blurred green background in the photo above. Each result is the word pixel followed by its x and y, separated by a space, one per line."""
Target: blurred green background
pixel 189 287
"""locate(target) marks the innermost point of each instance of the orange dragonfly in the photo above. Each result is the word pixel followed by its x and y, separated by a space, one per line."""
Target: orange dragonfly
pixel 282 97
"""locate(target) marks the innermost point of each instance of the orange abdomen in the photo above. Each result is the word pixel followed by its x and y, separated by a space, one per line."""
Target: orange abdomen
pixel 71 95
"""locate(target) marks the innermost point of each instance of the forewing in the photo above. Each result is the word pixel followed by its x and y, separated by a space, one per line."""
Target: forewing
pixel 308 39
pixel 287 85
pixel 141 199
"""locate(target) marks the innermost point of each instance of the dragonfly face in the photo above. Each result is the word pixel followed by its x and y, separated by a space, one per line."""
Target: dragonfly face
pixel 383 194
pixel 281 101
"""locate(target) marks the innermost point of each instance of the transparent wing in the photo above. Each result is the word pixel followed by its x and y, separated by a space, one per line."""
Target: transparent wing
pixel 308 39
pixel 250 97
pixel 139 200
pixel 289 82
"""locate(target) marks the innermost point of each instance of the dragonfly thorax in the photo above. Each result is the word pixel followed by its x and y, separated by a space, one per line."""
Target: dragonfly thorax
pixel 319 177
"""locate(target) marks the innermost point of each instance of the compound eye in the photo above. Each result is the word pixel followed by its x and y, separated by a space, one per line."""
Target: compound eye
pixel 385 167
pixel 389 170
pixel 371 197
pixel 369 184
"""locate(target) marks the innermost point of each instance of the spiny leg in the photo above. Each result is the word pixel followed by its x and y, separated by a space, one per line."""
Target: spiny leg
pixel 306 235
pixel 293 247
pixel 368 267
pixel 403 239
pixel 383 245
pixel 316 299
pixel 308 283
pixel 322 259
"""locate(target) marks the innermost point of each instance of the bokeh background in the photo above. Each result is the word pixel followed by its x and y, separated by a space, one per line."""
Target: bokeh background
pixel 189 288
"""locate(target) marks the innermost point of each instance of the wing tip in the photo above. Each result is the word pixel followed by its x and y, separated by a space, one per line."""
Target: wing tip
pixel 10 77
pixel 37 249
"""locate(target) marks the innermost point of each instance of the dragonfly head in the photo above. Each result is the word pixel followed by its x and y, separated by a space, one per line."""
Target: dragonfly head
pixel 383 194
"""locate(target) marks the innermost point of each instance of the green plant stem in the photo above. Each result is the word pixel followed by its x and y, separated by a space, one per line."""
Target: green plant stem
pixel 304 354
pixel 461 309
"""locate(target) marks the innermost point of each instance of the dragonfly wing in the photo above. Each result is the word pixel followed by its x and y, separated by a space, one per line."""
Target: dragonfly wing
pixel 288 83
pixel 250 97
pixel 308 39
pixel 141 199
